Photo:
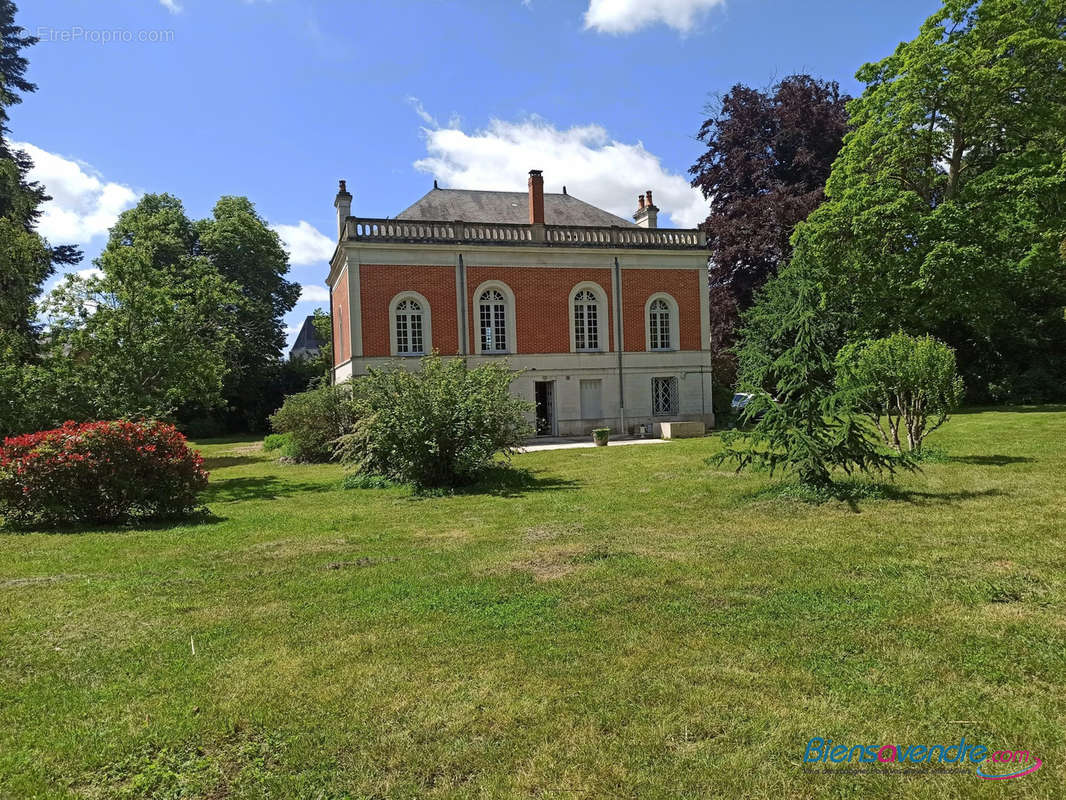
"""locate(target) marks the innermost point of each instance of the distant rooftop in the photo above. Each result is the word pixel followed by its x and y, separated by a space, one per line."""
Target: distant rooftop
pixel 307 342
pixel 511 208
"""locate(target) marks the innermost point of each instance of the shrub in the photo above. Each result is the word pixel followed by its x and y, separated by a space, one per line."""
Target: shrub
pixel 439 426
pixel 908 381
pixel 99 472
pixel 277 441
pixel 314 420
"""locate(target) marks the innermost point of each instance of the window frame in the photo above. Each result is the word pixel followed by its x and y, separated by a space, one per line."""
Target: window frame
pixel 603 323
pixel 427 325
pixel 511 344
pixel 674 323
pixel 674 396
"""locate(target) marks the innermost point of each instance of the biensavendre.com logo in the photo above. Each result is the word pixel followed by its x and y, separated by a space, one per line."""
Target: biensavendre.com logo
pixel 992 765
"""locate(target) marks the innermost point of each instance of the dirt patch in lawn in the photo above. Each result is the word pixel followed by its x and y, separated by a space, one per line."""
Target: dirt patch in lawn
pixel 364 561
pixel 38 580
pixel 547 533
pixel 550 565
pixel 287 548
pixel 254 447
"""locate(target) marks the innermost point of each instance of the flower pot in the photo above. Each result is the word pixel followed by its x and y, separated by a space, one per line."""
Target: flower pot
pixel 600 436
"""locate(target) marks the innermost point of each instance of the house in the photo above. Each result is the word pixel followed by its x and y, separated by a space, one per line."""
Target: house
pixel 307 343
pixel 608 320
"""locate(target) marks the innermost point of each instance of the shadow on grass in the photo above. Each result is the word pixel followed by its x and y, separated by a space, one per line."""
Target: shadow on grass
pixel 266 487
pixel 918 498
pixel 196 520
pixel 212 463
pixel 503 482
pixel 237 438
pixel 990 461
pixel 1051 408
pixel 853 492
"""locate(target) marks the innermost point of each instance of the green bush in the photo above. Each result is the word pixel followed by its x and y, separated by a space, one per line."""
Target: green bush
pixel 110 471
pixel 314 421
pixel 277 441
pixel 441 425
pixel 908 382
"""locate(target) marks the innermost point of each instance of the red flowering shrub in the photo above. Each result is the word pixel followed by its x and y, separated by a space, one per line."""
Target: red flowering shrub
pixel 99 472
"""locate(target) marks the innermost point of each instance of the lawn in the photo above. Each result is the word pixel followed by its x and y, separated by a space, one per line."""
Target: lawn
pixel 627 622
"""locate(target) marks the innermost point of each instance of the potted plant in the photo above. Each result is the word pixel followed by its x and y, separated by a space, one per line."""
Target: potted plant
pixel 600 436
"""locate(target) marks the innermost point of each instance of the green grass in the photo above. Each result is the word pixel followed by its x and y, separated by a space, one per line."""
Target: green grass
pixel 621 622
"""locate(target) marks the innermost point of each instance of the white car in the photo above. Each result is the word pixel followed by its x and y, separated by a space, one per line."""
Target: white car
pixel 740 399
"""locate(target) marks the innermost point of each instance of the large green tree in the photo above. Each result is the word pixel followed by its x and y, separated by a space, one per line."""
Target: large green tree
pixel 150 333
pixel 26 259
pixel 27 390
pixel 803 424
pixel 247 253
pixel 947 206
pixel 186 318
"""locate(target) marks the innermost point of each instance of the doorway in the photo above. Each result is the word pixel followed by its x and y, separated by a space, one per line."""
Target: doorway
pixel 544 398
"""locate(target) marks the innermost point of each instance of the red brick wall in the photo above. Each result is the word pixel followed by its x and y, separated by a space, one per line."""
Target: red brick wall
pixel 681 284
pixel 342 335
pixel 378 284
pixel 542 300
pixel 542 320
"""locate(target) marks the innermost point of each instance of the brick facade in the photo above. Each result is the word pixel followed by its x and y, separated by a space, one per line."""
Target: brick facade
pixel 342 350
pixel 640 284
pixel 542 309
pixel 380 284
pixel 542 304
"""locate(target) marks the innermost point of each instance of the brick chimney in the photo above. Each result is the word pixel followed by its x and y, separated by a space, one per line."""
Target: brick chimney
pixel 536 197
pixel 647 215
pixel 343 204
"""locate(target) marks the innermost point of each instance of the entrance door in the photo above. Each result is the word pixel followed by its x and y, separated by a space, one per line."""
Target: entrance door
pixel 592 399
pixel 544 397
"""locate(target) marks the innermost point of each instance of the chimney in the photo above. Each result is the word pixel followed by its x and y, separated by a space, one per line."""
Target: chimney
pixel 647 215
pixel 343 204
pixel 536 197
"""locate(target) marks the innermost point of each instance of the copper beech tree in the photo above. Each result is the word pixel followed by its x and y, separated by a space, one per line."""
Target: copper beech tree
pixel 768 156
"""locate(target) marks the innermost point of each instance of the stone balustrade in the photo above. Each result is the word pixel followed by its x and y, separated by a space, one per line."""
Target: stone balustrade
pixel 361 229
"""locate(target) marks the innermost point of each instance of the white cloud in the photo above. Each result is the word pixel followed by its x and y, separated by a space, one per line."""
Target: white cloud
pixel 305 243
pixel 423 115
pixel 310 293
pixel 83 204
pixel 91 272
pixel 593 166
pixel 171 5
pixel 627 16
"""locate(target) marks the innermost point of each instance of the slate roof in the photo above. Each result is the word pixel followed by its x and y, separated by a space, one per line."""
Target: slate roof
pixel 307 340
pixel 470 205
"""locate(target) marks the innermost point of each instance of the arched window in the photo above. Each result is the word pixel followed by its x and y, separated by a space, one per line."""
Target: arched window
pixel 586 321
pixel 410 328
pixel 492 313
pixel 409 340
pixel 659 325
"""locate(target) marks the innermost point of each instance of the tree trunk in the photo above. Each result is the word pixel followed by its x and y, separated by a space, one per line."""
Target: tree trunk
pixel 958 146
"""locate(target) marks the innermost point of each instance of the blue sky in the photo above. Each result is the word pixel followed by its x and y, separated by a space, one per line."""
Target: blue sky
pixel 277 99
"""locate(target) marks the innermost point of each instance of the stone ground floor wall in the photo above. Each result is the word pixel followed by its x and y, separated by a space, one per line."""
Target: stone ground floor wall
pixel 343 372
pixel 585 389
